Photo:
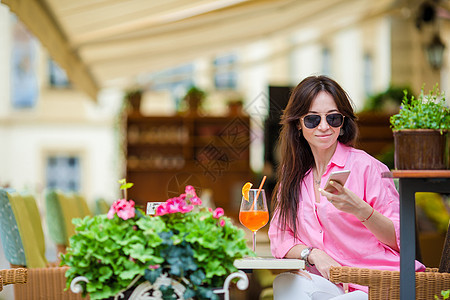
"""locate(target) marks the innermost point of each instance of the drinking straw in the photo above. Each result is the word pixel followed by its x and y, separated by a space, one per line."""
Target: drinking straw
pixel 259 191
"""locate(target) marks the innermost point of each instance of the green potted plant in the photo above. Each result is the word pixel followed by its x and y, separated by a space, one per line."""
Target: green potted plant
pixel 133 98
pixel 183 249
pixel 421 132
pixel 235 107
pixel 193 99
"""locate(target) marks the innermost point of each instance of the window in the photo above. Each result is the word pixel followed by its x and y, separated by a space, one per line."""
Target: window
pixel 175 80
pixel 368 71
pixel 63 173
pixel 24 82
pixel 326 61
pixel 225 75
pixel 57 76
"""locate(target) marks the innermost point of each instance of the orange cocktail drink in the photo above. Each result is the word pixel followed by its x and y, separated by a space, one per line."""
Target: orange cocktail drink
pixel 254 220
pixel 253 213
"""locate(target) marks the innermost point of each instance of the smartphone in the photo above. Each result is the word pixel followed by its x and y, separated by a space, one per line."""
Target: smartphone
pixel 338 176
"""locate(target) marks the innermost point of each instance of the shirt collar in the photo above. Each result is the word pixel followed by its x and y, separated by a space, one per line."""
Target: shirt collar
pixel 340 155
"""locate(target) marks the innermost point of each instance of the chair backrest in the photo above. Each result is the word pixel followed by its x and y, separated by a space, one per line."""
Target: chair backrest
pixel 55 218
pixel 101 206
pixel 444 266
pixel 35 218
pixel 9 232
pixel 24 219
pixel 83 207
pixel 61 209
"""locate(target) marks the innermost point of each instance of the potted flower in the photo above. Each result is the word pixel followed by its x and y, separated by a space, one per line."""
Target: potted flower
pixel 133 98
pixel 184 250
pixel 194 98
pixel 235 107
pixel 421 132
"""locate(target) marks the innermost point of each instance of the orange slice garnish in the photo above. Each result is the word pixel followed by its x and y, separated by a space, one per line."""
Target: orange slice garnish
pixel 245 190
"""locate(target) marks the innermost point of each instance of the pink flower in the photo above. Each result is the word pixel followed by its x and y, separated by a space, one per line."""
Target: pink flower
pixel 222 222
pixel 174 205
pixel 187 208
pixel 218 212
pixel 161 209
pixel 123 208
pixel 153 267
pixel 189 190
pixel 196 200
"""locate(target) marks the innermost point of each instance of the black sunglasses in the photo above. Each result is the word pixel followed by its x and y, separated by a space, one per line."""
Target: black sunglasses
pixel 312 121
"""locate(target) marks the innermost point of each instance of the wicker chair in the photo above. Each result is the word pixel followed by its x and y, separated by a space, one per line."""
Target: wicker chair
pixel 386 284
pixel 24 247
pixel 444 266
pixel 12 276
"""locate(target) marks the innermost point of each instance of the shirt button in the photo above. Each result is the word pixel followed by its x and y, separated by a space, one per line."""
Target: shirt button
pixel 320 231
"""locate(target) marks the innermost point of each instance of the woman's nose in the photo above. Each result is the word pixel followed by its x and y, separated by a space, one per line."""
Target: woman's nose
pixel 323 125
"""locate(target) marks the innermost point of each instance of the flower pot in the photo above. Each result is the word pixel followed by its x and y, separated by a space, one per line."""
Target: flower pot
pixel 194 103
pixel 146 290
pixel 421 149
pixel 134 101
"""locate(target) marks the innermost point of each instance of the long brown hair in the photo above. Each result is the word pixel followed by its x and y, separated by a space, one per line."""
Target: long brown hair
pixel 296 155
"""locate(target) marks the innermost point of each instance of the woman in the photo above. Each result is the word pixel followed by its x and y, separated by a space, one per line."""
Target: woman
pixel 357 225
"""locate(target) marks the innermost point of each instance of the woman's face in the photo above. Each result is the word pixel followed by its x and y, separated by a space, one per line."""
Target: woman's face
pixel 323 136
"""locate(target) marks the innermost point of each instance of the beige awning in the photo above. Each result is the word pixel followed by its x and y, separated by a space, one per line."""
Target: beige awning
pixel 102 43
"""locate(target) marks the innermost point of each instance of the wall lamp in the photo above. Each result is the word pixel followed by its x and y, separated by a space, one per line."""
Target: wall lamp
pixel 435 52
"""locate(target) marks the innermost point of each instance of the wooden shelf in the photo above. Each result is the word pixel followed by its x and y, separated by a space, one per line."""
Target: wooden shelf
pixel 207 152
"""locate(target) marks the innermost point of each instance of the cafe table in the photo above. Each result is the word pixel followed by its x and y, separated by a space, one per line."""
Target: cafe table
pixel 411 182
pixel 268 263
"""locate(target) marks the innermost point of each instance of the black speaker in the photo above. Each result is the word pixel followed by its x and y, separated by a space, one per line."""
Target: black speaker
pixel 278 99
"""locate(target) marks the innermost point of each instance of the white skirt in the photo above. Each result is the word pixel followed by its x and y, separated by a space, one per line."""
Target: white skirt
pixel 290 286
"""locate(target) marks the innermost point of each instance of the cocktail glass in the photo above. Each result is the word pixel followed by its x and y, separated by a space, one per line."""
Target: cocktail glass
pixel 253 213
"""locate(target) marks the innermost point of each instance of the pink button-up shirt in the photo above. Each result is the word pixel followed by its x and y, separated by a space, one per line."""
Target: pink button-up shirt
pixel 339 234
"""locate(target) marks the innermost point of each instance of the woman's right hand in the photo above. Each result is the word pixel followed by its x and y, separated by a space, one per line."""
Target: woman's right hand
pixel 322 261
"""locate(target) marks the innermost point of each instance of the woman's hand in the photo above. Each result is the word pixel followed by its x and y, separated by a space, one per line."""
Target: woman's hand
pixel 322 261
pixel 347 201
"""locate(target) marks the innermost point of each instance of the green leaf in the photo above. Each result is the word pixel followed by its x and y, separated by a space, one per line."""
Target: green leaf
pixel 445 294
pixel 188 293
pixel 152 275
pixel 167 292
pixel 105 273
pixel 197 277
pixel 126 186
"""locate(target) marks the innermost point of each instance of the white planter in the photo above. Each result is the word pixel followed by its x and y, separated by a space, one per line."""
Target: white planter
pixel 148 291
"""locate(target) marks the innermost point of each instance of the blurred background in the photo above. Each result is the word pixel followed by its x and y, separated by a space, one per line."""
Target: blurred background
pixel 72 70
